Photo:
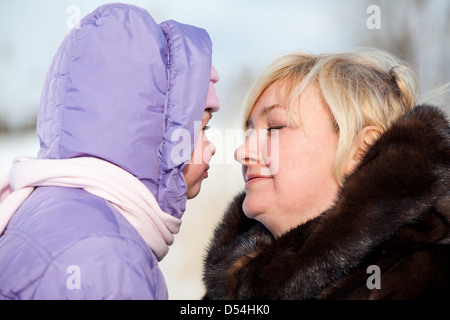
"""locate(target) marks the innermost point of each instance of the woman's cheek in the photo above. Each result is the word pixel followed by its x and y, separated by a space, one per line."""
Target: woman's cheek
pixel 271 154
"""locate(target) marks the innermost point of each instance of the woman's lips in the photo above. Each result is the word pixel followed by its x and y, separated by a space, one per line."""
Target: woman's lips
pixel 252 179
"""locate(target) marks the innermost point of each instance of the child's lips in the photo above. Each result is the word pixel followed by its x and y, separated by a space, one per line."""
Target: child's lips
pixel 205 174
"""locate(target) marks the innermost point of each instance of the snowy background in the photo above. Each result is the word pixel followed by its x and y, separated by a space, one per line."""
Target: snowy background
pixel 246 36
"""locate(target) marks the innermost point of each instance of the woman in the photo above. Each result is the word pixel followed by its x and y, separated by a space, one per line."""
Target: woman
pixel 347 187
pixel 122 108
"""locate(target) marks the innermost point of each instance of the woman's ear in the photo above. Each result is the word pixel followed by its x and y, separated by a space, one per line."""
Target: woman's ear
pixel 361 144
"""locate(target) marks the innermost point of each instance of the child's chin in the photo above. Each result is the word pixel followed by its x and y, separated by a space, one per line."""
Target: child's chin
pixel 193 191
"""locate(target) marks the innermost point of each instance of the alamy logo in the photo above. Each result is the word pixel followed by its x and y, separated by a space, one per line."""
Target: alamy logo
pixel 74 280
pixel 374 281
pixel 256 142
pixel 374 20
pixel 73 21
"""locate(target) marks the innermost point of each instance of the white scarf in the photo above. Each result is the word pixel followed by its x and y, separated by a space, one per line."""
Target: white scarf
pixel 98 177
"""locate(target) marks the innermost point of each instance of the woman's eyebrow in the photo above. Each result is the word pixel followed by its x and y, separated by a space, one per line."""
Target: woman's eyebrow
pixel 269 109
pixel 266 110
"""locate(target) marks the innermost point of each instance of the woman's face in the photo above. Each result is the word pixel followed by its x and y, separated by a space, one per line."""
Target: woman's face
pixel 197 169
pixel 288 170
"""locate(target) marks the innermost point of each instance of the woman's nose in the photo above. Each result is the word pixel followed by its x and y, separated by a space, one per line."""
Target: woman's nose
pixel 239 154
pixel 247 153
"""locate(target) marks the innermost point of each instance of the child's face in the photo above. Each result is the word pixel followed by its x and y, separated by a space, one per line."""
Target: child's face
pixel 197 169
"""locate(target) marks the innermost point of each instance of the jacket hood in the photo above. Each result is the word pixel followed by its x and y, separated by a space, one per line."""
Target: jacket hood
pixel 119 88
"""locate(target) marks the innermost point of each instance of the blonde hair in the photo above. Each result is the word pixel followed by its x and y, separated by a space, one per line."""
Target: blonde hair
pixel 360 89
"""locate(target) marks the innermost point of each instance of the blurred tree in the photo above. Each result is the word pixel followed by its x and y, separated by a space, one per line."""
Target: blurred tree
pixel 417 31
pixel 2 126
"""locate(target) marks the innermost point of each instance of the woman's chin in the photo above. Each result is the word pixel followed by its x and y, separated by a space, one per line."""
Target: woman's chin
pixel 251 207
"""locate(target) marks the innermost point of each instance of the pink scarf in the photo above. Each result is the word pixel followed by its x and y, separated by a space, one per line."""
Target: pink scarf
pixel 98 177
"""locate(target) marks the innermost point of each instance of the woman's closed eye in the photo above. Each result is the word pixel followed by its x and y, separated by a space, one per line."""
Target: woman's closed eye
pixel 275 128
pixel 277 119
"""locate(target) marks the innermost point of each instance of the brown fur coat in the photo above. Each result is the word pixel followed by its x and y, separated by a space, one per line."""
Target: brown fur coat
pixel 393 212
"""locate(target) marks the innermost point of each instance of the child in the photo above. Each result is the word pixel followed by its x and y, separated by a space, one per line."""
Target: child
pixel 93 215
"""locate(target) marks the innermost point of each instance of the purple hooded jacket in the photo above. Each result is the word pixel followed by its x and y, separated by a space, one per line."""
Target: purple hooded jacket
pixel 117 89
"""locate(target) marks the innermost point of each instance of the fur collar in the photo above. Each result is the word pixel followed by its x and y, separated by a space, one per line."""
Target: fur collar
pixel 396 200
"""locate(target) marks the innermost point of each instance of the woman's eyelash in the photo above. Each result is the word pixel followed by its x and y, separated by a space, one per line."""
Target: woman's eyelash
pixel 277 127
pixel 206 128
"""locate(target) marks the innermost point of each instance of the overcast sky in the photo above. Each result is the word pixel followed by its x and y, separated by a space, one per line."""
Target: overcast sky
pixel 245 34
